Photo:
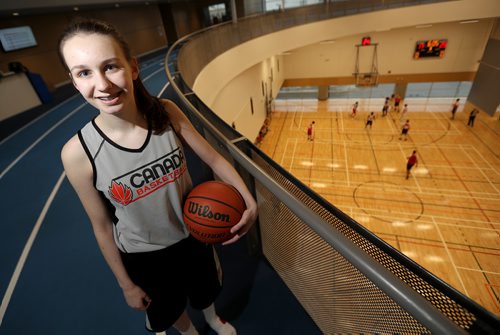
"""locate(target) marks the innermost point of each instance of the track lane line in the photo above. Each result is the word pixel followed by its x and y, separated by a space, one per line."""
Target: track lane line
pixel 27 248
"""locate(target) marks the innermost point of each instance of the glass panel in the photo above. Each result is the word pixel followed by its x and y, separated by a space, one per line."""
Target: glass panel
pixel 382 90
pixel 362 92
pixel 464 88
pixel 418 90
pixel 300 3
pixel 445 89
pixel 298 92
pixel 341 91
pixel 272 5
pixel 352 91
pixel 277 4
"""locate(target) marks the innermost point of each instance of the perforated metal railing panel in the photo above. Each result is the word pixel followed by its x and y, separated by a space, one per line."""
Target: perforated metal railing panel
pixel 339 298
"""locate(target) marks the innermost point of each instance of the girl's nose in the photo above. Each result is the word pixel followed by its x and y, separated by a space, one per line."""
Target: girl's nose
pixel 102 82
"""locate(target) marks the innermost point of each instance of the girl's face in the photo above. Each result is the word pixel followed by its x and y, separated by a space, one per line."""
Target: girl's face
pixel 100 72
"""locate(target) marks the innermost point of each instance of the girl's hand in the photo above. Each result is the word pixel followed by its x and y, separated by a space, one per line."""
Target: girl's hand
pixel 246 222
pixel 137 298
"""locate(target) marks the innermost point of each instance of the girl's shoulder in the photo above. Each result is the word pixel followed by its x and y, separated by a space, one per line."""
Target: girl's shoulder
pixel 172 111
pixel 73 148
pixel 176 116
pixel 74 157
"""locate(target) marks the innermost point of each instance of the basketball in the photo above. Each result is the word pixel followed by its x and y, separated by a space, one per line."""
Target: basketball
pixel 211 209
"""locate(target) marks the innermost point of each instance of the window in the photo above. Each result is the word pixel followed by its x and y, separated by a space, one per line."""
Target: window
pixel 355 92
pixel 271 5
pixel 298 92
pixel 449 89
pixel 217 13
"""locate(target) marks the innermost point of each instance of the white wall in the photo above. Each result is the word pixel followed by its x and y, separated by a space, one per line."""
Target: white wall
pixel 383 26
pixel 466 43
pixel 232 104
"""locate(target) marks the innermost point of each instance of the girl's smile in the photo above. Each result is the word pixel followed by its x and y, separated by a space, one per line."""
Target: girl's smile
pixel 100 72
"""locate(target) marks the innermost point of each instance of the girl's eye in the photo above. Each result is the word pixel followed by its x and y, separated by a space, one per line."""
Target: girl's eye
pixel 110 67
pixel 83 74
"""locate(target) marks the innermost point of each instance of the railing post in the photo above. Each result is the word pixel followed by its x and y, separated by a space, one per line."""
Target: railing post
pixel 234 15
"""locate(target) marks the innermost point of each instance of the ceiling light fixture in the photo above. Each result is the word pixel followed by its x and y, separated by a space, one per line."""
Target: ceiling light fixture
pixel 423 26
pixel 469 21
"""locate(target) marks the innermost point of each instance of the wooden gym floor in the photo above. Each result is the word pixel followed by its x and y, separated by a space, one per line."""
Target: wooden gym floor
pixel 446 216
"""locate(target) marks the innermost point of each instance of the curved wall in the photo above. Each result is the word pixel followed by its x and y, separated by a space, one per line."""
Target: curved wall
pixel 462 56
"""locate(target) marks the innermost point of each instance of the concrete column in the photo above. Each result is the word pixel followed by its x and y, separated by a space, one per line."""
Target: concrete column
pixel 234 14
pixel 323 93
pixel 168 19
pixel 484 90
pixel 400 89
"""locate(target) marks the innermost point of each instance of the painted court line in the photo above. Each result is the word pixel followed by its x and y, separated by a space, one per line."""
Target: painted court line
pixel 348 181
pixel 478 270
pixel 424 218
pixel 284 152
pixel 497 171
pixel 293 155
pixel 479 169
pixel 424 191
pixel 362 143
pixel 445 246
pixel 27 248
pixel 437 166
pixel 439 121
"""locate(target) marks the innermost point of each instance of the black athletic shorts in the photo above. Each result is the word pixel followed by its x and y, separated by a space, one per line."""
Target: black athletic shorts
pixel 172 276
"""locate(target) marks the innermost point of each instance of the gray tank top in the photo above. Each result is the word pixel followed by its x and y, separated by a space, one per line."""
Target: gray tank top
pixel 144 188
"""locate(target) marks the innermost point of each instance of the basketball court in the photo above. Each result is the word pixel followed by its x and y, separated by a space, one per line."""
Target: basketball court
pixel 445 216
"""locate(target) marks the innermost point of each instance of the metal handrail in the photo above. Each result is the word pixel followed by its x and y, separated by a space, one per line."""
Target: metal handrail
pixel 249 27
pixel 416 305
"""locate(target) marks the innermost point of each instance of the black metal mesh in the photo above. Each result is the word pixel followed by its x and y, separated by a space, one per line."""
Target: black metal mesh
pixel 337 296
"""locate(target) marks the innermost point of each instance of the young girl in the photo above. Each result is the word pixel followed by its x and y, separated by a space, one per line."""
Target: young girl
pixel 369 120
pixel 404 130
pixel 310 131
pixel 129 170
pixel 354 109
pixel 385 108
pixel 403 115
pixel 412 161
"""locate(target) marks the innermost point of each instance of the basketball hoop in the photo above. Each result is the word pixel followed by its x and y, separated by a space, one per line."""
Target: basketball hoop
pixel 366 79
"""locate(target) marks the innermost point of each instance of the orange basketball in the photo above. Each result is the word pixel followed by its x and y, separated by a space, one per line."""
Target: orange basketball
pixel 211 209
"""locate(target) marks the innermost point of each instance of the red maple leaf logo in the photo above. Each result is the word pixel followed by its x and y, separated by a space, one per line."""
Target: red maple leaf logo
pixel 121 193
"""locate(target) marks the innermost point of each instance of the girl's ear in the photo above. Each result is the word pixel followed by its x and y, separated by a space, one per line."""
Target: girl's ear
pixel 135 68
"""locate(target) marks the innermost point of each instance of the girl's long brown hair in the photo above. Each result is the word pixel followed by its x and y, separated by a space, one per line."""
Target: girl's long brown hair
pixel 149 106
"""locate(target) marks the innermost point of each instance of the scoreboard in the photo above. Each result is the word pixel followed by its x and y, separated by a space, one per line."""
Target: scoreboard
pixel 430 48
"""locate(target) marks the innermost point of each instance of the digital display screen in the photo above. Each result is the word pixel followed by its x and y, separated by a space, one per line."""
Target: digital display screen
pixel 17 38
pixel 430 48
